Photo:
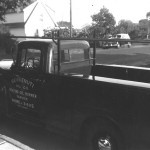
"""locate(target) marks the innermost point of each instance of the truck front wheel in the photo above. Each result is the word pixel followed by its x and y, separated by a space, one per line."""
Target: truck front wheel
pixel 102 136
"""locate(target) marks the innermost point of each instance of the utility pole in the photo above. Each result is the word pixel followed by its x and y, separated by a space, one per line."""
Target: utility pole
pixel 70 18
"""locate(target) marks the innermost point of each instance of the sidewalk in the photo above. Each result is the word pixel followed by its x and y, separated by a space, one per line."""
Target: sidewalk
pixel 7 143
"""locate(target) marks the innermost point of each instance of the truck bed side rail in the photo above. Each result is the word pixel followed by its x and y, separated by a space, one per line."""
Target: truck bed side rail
pixel 122 72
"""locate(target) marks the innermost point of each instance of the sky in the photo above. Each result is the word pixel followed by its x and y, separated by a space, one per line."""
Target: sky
pixel 82 10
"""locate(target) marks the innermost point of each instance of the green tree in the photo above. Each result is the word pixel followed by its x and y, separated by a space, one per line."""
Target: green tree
pixel 143 28
pixel 5 41
pixel 147 14
pixel 64 24
pixel 103 22
pixel 134 34
pixel 12 5
pixel 125 26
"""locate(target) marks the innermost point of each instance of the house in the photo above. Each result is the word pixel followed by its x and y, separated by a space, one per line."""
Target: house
pixel 37 17
pixel 15 23
pixel 31 21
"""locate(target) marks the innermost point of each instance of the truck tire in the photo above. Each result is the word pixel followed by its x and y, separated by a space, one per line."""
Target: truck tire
pixel 101 135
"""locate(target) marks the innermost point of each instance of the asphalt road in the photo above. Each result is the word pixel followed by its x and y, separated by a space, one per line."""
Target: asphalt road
pixel 39 139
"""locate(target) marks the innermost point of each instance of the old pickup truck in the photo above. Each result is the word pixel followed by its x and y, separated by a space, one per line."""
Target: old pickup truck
pixel 59 87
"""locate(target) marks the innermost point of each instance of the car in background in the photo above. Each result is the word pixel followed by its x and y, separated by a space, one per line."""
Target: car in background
pixel 110 44
pixel 115 43
pixel 125 37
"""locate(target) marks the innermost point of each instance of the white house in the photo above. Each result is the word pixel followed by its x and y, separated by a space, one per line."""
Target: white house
pixel 37 17
pixel 32 21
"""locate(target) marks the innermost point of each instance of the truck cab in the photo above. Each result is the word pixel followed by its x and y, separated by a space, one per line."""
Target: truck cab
pixel 40 65
pixel 35 55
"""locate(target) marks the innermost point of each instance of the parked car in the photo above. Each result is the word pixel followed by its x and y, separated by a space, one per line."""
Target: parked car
pixel 110 44
pixel 115 43
pixel 125 37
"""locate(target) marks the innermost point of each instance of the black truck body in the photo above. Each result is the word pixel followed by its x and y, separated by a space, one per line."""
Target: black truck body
pixel 106 106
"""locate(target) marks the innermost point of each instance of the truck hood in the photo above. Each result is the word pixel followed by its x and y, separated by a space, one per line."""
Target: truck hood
pixel 6 63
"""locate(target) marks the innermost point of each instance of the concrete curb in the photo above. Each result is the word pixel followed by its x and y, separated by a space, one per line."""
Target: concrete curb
pixel 15 143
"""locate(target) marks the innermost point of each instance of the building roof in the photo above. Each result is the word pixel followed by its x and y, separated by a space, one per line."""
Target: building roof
pixel 30 9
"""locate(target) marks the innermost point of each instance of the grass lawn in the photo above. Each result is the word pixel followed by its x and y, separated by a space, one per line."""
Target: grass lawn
pixel 134 56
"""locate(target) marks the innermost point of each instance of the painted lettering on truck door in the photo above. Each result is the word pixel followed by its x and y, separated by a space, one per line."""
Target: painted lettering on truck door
pixel 21 92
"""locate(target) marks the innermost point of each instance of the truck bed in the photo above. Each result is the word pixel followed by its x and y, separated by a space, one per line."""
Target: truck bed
pixel 130 73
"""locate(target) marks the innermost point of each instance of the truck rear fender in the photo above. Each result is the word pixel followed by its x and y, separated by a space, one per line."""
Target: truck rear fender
pixel 94 119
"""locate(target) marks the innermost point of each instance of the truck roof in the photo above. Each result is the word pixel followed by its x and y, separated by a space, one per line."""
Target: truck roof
pixel 64 44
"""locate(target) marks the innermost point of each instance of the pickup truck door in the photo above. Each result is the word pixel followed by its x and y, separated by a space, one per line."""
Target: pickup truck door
pixel 25 83
pixel 34 93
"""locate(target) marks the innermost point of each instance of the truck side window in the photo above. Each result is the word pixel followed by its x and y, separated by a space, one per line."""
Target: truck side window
pixel 30 58
pixel 65 55
pixel 72 55
pixel 73 60
pixel 78 55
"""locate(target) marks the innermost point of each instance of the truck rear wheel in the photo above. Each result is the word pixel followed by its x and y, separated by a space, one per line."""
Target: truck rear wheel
pixel 102 135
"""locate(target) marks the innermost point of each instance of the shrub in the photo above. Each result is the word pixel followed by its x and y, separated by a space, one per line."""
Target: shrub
pixel 6 43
